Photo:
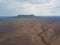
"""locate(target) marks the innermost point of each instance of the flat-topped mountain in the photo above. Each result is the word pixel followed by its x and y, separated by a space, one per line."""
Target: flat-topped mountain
pixel 24 16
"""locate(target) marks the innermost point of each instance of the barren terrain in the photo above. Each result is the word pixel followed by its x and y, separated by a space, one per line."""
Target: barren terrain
pixel 30 31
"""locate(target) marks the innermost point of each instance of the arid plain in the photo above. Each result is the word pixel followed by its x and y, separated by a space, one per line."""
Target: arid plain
pixel 30 31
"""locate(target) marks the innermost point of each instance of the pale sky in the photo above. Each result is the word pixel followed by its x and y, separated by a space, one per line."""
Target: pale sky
pixel 36 7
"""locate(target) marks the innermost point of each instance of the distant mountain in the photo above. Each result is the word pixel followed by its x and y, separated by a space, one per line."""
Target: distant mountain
pixel 24 16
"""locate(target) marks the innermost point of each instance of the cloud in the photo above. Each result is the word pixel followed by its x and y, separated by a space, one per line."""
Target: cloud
pixel 35 1
pixel 36 7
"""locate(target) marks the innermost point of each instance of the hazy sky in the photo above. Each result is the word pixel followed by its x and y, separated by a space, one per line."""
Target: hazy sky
pixel 36 7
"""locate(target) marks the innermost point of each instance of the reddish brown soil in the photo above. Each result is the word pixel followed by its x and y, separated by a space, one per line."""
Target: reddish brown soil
pixel 29 32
